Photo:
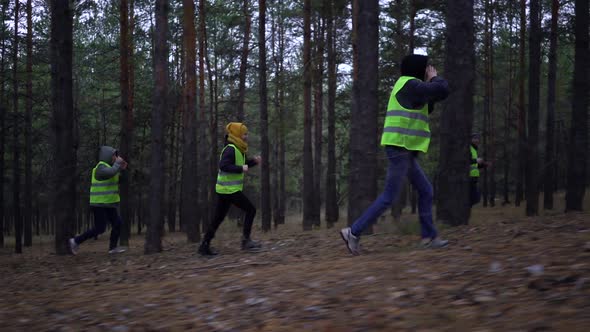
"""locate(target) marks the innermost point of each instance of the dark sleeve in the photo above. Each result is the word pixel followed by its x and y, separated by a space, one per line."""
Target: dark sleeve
pixel 106 172
pixel 251 162
pixel 429 92
pixel 227 162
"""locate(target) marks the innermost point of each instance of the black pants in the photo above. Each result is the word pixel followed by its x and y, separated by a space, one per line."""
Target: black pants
pixel 102 215
pixel 474 192
pixel 224 201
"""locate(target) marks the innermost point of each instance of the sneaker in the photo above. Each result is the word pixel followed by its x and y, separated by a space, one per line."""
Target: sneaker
pixel 352 242
pixel 206 250
pixel 425 243
pixel 249 244
pixel 73 246
pixel 438 243
pixel 433 243
pixel 117 250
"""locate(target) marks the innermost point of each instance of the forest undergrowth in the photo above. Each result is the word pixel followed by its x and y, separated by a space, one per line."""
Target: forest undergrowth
pixel 501 272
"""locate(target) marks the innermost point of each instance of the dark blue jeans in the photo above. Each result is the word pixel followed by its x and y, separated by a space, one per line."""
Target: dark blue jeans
pixel 401 163
pixel 103 215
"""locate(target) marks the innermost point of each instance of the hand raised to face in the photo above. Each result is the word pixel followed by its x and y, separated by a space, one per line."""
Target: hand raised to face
pixel 430 73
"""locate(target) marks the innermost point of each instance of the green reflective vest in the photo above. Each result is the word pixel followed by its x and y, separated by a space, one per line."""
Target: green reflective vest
pixel 106 191
pixel 405 127
pixel 229 183
pixel 474 171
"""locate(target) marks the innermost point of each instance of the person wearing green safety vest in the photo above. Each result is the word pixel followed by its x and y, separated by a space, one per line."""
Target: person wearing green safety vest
pixel 230 184
pixel 476 164
pixel 406 133
pixel 104 199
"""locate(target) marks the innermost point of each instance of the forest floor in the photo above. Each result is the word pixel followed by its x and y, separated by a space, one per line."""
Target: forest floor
pixel 504 272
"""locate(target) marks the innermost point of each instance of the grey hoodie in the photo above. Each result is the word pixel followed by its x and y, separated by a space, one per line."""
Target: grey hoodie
pixel 106 172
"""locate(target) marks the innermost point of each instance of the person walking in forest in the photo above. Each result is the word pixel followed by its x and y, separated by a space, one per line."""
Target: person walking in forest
pixel 406 133
pixel 104 200
pixel 476 164
pixel 230 184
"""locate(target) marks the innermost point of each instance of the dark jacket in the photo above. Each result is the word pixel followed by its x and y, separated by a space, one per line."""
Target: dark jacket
pixel 416 93
pixel 227 163
pixel 474 161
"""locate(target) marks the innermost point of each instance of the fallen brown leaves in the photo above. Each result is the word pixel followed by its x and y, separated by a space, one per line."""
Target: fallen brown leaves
pixel 501 273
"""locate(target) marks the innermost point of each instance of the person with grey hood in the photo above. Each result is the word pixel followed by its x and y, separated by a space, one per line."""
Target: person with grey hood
pixel 104 199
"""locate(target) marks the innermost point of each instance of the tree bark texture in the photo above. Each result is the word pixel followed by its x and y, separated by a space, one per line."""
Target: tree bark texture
pixel 453 206
pixel 363 127
pixel 63 202
pixel 578 147
pixel 155 230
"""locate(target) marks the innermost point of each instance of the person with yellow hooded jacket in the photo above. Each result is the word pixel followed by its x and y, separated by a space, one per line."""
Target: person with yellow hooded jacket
pixel 229 187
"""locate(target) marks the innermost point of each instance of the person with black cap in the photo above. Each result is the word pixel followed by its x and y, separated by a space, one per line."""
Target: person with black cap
pixel 406 133
pixel 477 163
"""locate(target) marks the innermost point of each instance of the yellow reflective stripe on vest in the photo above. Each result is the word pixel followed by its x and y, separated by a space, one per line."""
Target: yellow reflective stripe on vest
pixel 406 131
pixel 407 114
pixel 229 183
pixel 474 170
pixel 106 191
pixel 405 127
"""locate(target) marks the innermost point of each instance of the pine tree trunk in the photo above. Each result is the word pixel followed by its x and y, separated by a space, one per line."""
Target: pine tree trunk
pixel 153 240
pixel 131 107
pixel 491 148
pixel 318 114
pixel 412 5
pixel 453 205
pixel 126 118
pixel 18 222
pixel 63 202
pixel 264 144
pixel 202 125
pixel 3 110
pixel 244 60
pixel 282 197
pixel 578 146
pixel 532 169
pixel 486 102
pixel 521 152
pixel 308 182
pixel 507 120
pixel 213 102
pixel 189 187
pixel 363 127
pixel 172 167
pixel 550 161
pixel 332 213
pixel 275 46
pixel 28 239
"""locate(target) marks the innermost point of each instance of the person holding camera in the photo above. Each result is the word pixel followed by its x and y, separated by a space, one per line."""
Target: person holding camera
pixel 406 132
pixel 104 200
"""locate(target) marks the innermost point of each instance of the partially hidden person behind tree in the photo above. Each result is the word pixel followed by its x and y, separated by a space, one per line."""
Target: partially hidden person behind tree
pixel 104 200
pixel 406 133
pixel 477 163
pixel 230 185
